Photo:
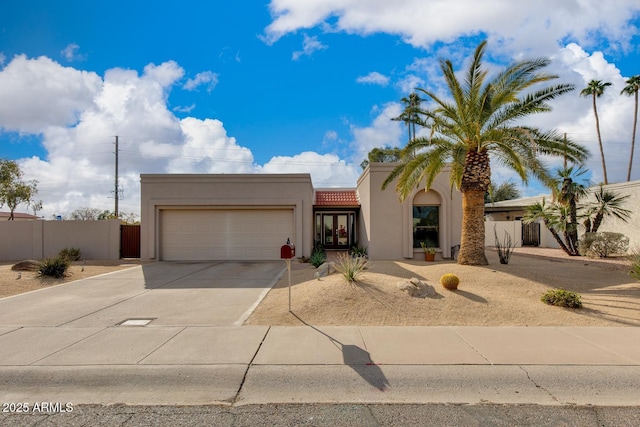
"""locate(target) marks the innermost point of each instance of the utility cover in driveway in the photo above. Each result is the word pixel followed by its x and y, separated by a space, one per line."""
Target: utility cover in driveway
pixel 229 234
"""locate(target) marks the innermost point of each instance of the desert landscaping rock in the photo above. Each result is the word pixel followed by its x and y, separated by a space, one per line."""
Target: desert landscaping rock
pixel 417 288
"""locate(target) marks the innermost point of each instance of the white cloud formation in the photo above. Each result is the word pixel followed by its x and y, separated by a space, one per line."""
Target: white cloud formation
pixel 509 21
pixel 327 170
pixel 373 78
pixel 37 93
pixel 208 149
pixel 206 78
pixel 309 46
pixel 88 111
pixel 3 58
pixel 70 53
pixel 382 132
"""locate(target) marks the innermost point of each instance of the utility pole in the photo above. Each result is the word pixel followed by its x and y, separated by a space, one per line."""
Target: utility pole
pixel 116 194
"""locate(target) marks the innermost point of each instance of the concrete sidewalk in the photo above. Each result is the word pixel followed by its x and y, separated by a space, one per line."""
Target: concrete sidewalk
pixel 244 365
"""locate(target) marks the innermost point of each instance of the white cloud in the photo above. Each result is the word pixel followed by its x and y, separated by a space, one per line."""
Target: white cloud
pixel 79 136
pixel 373 78
pixel 208 149
pixel 37 93
pixel 327 170
pixel 206 78
pixel 382 132
pixel 309 46
pixel 422 23
pixel 3 58
pixel 70 53
pixel 184 108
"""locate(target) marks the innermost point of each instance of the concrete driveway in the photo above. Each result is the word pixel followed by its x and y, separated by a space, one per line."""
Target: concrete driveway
pixel 169 293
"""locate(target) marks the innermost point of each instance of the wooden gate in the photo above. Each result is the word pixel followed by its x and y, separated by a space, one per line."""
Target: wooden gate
pixel 129 241
pixel 531 234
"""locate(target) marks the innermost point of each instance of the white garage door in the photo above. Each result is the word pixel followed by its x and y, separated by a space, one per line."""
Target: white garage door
pixel 238 234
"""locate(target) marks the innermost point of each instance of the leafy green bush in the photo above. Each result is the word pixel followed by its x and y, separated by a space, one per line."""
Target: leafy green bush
pixel 562 298
pixel 317 258
pixel 54 267
pixel 634 263
pixel 72 254
pixel 351 268
pixel 603 244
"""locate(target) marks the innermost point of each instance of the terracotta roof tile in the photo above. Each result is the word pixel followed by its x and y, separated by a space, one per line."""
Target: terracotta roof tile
pixel 337 198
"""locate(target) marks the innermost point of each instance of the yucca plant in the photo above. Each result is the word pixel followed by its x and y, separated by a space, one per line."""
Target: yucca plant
pixel 54 267
pixel 351 268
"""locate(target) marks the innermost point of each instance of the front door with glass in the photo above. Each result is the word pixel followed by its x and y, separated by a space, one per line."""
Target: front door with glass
pixel 335 231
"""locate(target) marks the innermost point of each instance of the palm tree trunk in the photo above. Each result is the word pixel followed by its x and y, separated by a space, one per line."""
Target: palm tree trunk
pixel 475 182
pixel 633 137
pixel 556 236
pixel 604 166
pixel 472 240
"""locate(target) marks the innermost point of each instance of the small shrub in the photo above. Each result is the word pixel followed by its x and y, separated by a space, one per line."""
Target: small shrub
pixel 634 263
pixel 603 244
pixel 54 267
pixel 450 281
pixel 351 268
pixel 357 251
pixel 562 298
pixel 72 254
pixel 317 258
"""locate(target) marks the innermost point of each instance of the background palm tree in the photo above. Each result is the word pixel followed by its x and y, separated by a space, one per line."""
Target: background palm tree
pixel 595 88
pixel 410 113
pixel 480 123
pixel 607 204
pixel 632 87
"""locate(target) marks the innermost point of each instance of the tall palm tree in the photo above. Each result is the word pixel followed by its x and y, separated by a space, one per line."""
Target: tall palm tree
pixel 595 88
pixel 568 195
pixel 480 123
pixel 410 113
pixel 632 87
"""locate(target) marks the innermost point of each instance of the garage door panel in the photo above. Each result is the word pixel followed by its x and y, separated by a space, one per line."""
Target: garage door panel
pixel 238 234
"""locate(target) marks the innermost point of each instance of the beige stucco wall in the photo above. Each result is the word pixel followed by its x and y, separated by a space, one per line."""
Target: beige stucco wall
pixel 386 223
pixel 42 239
pixel 201 191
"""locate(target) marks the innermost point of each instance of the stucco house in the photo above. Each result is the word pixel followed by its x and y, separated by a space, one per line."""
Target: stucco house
pixel 250 216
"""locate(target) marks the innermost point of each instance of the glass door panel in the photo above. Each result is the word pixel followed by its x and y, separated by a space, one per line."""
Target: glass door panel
pixel 327 234
pixel 342 231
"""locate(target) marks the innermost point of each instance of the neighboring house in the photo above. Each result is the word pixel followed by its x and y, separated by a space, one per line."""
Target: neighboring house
pixel 514 210
pixel 250 216
pixel 4 216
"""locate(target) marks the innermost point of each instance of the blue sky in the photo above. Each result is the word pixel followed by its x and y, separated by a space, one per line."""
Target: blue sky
pixel 281 86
